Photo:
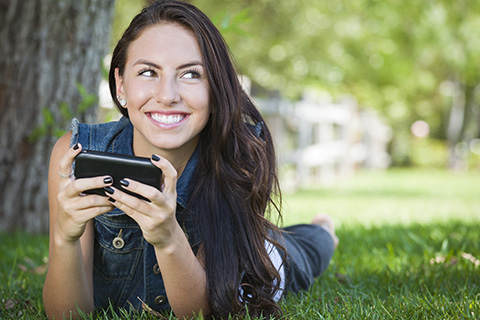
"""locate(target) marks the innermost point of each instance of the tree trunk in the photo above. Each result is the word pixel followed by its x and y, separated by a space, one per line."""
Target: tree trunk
pixel 455 124
pixel 50 68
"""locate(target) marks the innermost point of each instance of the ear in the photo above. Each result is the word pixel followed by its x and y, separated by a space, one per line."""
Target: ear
pixel 119 85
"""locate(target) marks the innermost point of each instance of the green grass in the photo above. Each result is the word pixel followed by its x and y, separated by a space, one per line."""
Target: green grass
pixel 397 272
pixel 409 249
pixel 396 197
pixel 23 260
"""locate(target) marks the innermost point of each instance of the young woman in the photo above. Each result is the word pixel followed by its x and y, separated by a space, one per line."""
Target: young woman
pixel 203 243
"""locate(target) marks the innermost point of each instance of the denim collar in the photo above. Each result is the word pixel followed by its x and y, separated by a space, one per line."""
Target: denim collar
pixel 184 182
pixel 123 137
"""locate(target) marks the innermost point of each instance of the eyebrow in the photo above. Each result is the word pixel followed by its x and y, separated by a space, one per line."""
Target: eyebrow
pixel 154 65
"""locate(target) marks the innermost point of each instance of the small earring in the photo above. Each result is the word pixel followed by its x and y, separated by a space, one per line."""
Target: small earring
pixel 123 102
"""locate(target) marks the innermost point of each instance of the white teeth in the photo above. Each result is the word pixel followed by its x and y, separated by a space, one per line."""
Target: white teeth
pixel 167 119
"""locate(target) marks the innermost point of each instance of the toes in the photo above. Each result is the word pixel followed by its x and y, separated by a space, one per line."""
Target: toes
pixel 326 222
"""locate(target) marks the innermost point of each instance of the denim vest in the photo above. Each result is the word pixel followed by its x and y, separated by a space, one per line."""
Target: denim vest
pixel 125 269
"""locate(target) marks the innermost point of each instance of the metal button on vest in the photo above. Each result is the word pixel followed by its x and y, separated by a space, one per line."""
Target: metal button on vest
pixel 156 269
pixel 160 299
pixel 118 243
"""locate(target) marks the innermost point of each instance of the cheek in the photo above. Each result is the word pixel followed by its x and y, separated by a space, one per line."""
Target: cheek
pixel 139 92
pixel 198 98
pixel 204 99
pixel 206 109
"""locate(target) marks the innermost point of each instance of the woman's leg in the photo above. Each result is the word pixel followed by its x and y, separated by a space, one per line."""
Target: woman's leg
pixel 309 250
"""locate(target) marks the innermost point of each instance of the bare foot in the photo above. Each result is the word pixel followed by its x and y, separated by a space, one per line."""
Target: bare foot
pixel 326 222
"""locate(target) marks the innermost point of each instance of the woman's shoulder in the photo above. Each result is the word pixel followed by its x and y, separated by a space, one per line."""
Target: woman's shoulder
pixel 119 124
pixel 62 145
pixel 98 136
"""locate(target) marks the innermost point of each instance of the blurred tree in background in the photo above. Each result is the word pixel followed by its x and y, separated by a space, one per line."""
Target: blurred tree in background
pixel 414 62
pixel 50 63
pixel 410 60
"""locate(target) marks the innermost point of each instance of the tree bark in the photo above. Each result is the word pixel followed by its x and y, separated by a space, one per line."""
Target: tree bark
pixel 51 50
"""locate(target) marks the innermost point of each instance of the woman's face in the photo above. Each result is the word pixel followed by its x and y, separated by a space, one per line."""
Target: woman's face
pixel 167 92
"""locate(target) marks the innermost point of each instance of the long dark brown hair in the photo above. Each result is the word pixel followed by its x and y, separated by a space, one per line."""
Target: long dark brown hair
pixel 235 184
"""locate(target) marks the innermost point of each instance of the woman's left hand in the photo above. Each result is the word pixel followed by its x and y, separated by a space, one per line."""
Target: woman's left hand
pixel 183 275
pixel 156 218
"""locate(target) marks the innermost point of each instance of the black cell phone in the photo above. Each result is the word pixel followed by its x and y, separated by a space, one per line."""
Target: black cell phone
pixel 89 164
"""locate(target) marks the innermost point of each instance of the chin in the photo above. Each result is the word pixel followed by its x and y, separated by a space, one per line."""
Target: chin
pixel 171 146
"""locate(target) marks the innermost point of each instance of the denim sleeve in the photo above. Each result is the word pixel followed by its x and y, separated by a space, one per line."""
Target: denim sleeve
pixel 74 129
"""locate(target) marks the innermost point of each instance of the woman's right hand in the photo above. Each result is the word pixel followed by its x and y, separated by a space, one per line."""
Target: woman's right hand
pixel 69 281
pixel 75 209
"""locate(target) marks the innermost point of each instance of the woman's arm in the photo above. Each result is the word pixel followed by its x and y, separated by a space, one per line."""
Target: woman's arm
pixel 182 272
pixel 68 284
pixel 183 275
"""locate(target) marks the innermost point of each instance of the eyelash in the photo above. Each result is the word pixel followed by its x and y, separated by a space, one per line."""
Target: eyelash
pixel 143 71
pixel 196 74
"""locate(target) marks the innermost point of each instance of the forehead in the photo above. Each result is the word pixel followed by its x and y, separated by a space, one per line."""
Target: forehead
pixel 165 40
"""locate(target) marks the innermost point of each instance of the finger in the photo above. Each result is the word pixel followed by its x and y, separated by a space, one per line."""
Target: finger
pixel 169 173
pixel 73 218
pixel 149 192
pixel 84 184
pixel 85 208
pixel 132 201
pixel 65 165
pixel 132 206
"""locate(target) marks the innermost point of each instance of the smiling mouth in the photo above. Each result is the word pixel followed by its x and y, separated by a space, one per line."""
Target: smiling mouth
pixel 167 119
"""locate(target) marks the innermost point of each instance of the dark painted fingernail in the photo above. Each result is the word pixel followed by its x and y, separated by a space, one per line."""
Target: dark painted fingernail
pixel 107 180
pixel 124 183
pixel 112 200
pixel 108 190
pixel 75 147
pixel 155 157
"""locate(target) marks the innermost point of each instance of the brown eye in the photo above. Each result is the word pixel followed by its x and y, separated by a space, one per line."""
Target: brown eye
pixel 147 73
pixel 191 74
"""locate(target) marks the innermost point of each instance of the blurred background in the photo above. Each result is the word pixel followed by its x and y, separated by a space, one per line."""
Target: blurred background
pixel 356 83
pixel 344 85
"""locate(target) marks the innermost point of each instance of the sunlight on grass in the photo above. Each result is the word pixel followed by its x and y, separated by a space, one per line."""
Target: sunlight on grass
pixel 409 249
pixel 388 198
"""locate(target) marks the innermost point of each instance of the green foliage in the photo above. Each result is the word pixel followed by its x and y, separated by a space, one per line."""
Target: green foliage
pixel 125 10
pixel 429 153
pixel 399 256
pixel 88 100
pixel 105 70
pixel 232 24
pixel 398 57
pixel 473 161
pixel 52 126
pixel 401 58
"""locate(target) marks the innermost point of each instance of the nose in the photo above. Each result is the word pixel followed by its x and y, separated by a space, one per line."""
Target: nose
pixel 167 91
